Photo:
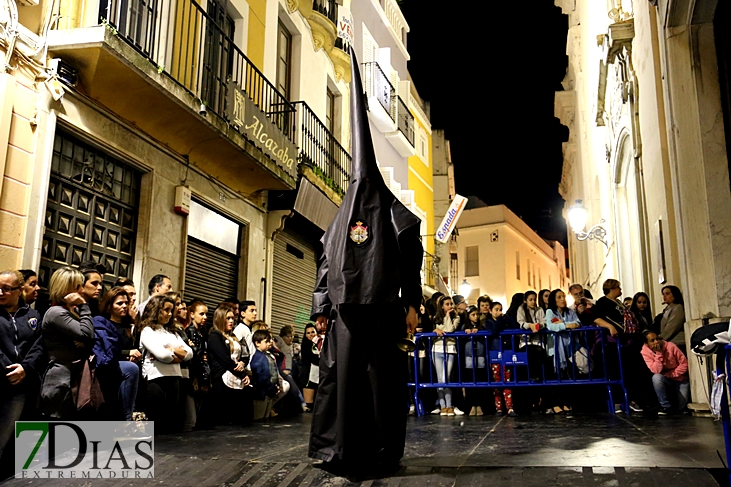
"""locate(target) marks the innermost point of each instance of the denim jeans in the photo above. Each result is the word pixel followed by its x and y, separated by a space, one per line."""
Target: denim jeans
pixel 445 393
pixel 128 387
pixel 11 407
pixel 664 387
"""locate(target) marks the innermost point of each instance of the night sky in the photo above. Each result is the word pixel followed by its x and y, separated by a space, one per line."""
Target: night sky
pixel 490 73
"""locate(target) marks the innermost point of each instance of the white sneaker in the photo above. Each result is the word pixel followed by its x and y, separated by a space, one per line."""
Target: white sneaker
pixel 458 412
pixel 412 410
pixel 437 411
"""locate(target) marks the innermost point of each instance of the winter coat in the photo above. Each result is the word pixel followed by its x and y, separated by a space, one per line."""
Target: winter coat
pixel 21 343
pixel 672 325
pixel 262 377
pixel 61 329
pixel 448 325
pixel 106 342
pixel 219 356
pixel 478 348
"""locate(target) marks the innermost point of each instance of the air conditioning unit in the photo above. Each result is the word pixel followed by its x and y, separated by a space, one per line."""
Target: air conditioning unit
pixel 65 72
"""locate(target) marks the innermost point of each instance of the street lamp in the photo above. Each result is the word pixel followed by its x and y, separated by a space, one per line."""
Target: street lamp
pixel 578 215
pixel 465 289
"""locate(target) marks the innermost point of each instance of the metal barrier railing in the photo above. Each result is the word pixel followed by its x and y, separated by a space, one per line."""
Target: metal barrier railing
pixel 516 351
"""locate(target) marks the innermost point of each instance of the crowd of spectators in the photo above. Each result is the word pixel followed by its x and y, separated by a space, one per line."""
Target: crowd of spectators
pixel 652 348
pixel 159 359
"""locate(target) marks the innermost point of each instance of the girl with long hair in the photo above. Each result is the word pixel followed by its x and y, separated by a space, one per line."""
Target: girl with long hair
pixel 642 310
pixel 228 359
pixel 310 365
pixel 444 352
pixel 673 317
pixel 542 300
pixel 163 351
pixel 200 373
pixel 515 303
pixel 559 318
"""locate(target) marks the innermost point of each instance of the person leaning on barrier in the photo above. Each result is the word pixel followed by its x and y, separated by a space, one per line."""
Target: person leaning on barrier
pixel 610 313
pixel 475 358
pixel 21 358
pixel 670 372
pixel 559 319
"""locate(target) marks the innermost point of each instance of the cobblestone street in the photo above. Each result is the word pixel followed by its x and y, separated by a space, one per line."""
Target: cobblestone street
pixel 528 451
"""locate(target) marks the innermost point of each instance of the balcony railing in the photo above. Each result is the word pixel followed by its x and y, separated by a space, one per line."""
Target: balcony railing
pixel 320 150
pixel 328 8
pixel 377 85
pixel 405 121
pixel 196 50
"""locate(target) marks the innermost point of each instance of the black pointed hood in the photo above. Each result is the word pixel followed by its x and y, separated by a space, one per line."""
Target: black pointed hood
pixel 361 244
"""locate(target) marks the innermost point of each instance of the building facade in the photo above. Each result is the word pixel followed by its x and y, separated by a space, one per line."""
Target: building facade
pixel 646 101
pixel 114 112
pixel 499 255
pixel 445 258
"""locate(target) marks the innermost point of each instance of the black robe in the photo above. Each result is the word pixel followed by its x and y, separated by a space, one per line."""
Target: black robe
pixel 368 277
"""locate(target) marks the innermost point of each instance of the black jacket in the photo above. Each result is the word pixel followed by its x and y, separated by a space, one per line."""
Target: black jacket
pixel 219 357
pixel 20 343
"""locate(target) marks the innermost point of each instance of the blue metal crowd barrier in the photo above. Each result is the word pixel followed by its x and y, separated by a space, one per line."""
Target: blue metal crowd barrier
pixel 511 349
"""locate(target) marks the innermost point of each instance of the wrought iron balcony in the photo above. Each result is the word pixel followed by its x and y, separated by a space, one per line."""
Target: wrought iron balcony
pixel 319 149
pixel 328 8
pixel 377 85
pixel 405 121
pixel 196 51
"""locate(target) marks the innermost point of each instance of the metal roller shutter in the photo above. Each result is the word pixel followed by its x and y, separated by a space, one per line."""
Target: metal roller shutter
pixel 211 274
pixel 293 280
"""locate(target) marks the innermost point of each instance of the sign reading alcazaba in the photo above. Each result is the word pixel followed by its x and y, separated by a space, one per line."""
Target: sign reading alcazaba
pixel 251 121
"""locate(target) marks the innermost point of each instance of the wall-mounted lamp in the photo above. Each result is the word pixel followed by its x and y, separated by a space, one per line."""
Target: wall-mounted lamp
pixel 465 289
pixel 577 219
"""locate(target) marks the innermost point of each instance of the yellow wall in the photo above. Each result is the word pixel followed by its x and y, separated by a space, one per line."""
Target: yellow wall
pixel 17 132
pixel 423 193
pixel 257 27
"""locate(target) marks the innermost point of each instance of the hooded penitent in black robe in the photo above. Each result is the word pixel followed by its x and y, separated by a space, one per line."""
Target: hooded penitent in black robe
pixel 368 277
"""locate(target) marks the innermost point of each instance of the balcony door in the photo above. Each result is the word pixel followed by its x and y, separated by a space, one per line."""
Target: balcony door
pixel 136 20
pixel 217 56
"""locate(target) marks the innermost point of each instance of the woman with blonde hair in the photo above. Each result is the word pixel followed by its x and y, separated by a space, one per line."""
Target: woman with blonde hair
pixel 68 334
pixel 228 360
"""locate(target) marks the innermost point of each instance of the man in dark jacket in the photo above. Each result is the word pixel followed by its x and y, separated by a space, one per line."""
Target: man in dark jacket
pixel 21 358
pixel 369 289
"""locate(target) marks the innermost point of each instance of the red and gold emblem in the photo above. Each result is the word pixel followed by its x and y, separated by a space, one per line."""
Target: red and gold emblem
pixel 359 233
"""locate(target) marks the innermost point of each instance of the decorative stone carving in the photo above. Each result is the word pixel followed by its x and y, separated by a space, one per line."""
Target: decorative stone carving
pixel 341 61
pixel 324 31
pixel 617 43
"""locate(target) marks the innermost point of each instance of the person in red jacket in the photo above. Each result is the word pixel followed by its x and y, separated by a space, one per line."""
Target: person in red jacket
pixel 670 372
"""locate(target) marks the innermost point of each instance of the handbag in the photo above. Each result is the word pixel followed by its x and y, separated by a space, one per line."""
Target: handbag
pixel 85 390
pixel 582 360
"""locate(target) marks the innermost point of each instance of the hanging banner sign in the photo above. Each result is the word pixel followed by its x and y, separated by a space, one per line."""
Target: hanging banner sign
pixel 252 122
pixel 345 25
pixel 450 219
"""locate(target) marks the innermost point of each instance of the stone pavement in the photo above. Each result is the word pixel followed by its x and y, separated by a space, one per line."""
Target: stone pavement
pixel 542 451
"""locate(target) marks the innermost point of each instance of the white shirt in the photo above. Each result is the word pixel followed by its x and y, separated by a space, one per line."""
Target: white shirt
pixel 243 332
pixel 153 344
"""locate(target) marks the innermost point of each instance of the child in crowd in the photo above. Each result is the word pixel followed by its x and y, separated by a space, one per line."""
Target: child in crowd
pixel 310 374
pixel 495 324
pixel 560 318
pixel 268 385
pixel 444 351
pixel 475 360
